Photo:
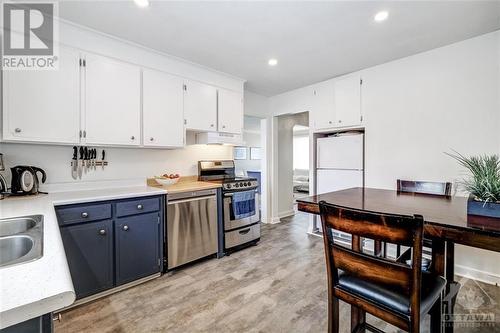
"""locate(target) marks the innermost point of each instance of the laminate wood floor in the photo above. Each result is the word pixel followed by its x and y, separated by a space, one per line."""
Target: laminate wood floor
pixel 276 286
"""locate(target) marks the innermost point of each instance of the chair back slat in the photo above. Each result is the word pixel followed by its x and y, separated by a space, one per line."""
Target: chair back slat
pixel 424 187
pixel 395 229
pixel 372 268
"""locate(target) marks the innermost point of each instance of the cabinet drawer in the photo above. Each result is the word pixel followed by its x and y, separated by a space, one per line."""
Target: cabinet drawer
pixel 76 214
pixel 137 206
pixel 242 236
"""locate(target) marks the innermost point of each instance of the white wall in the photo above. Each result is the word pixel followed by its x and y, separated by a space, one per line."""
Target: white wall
pixel 125 164
pixel 256 105
pixel 252 138
pixel 284 194
pixel 419 107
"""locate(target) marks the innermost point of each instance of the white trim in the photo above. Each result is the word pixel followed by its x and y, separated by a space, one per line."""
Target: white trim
pixel 475 274
pixel 272 220
pixel 286 213
pixel 146 48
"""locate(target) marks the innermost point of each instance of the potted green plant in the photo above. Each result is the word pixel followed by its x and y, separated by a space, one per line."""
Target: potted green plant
pixel 483 185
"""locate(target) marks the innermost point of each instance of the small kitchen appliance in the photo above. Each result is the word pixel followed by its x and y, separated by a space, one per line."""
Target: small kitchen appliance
pixel 240 203
pixel 25 180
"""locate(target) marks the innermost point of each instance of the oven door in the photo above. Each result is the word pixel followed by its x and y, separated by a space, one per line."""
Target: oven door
pixel 230 222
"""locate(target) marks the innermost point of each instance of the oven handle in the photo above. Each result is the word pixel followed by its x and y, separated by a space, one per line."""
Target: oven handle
pixel 231 194
pixel 173 202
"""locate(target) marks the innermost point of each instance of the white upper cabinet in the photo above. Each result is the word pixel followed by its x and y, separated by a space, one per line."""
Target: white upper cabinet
pixel 112 102
pixel 348 101
pixel 200 106
pixel 323 106
pixel 230 111
pixel 162 109
pixel 43 106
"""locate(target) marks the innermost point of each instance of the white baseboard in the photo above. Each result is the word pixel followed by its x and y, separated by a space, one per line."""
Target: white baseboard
pixel 277 219
pixel 286 213
pixel 272 220
pixel 476 274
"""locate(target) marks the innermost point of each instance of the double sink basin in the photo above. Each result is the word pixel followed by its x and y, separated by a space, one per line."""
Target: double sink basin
pixel 21 239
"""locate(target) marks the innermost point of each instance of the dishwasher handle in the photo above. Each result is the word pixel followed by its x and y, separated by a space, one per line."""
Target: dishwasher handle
pixel 178 201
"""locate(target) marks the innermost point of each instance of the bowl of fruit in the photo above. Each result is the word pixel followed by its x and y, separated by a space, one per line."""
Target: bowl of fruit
pixel 167 179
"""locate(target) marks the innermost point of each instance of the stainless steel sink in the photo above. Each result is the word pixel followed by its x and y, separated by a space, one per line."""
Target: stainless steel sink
pixel 9 227
pixel 21 239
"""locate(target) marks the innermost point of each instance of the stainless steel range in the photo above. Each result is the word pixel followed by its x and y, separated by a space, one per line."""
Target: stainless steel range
pixel 240 208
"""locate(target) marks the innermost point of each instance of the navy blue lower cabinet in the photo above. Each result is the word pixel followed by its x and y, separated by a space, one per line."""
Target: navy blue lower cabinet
pixel 111 243
pixel 89 250
pixel 137 247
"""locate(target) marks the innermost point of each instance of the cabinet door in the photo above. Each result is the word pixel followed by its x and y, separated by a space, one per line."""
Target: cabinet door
pixel 348 101
pixel 43 106
pixel 200 106
pixel 137 247
pixel 89 250
pixel 323 108
pixel 230 111
pixel 112 102
pixel 162 109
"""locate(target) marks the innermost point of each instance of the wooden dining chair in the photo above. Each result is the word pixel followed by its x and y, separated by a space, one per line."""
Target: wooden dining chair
pixel 439 189
pixel 395 292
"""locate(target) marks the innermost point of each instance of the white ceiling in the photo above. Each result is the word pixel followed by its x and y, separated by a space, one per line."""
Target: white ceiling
pixel 312 41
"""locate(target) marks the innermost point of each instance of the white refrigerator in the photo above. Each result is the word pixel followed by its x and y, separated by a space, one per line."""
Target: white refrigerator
pixel 339 166
pixel 339 163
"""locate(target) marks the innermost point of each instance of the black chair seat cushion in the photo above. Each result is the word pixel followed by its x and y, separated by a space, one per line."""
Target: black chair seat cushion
pixel 392 299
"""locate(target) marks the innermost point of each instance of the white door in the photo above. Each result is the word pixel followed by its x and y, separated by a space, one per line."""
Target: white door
pixel 336 180
pixel 112 102
pixel 230 111
pixel 43 106
pixel 162 109
pixel 340 152
pixel 200 106
pixel 323 106
pixel 348 101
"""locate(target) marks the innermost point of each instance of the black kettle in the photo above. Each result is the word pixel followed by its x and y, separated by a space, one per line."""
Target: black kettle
pixel 25 180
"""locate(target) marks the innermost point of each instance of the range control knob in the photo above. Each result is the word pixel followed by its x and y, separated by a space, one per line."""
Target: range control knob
pixel 236 185
pixel 241 184
pixel 228 186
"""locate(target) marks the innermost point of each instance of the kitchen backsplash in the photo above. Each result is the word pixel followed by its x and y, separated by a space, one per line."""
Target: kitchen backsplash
pixel 124 163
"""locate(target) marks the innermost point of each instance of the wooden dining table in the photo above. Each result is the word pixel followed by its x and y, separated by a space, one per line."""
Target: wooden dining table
pixel 446 223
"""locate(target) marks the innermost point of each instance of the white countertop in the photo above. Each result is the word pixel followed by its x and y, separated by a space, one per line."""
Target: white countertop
pixel 38 287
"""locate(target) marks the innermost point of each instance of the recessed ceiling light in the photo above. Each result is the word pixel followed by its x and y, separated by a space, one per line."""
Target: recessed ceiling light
pixel 142 3
pixel 381 16
pixel 272 62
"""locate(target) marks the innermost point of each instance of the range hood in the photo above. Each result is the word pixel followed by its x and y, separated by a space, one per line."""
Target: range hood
pixel 216 138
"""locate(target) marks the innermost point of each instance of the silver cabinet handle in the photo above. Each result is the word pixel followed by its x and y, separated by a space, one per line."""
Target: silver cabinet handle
pixel 102 232
pixel 125 228
pixel 57 317
pixel 140 207
pixel 132 137
pixel 85 215
pixel 17 130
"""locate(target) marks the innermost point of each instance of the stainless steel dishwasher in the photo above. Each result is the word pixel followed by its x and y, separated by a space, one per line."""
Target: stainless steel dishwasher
pixel 191 226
